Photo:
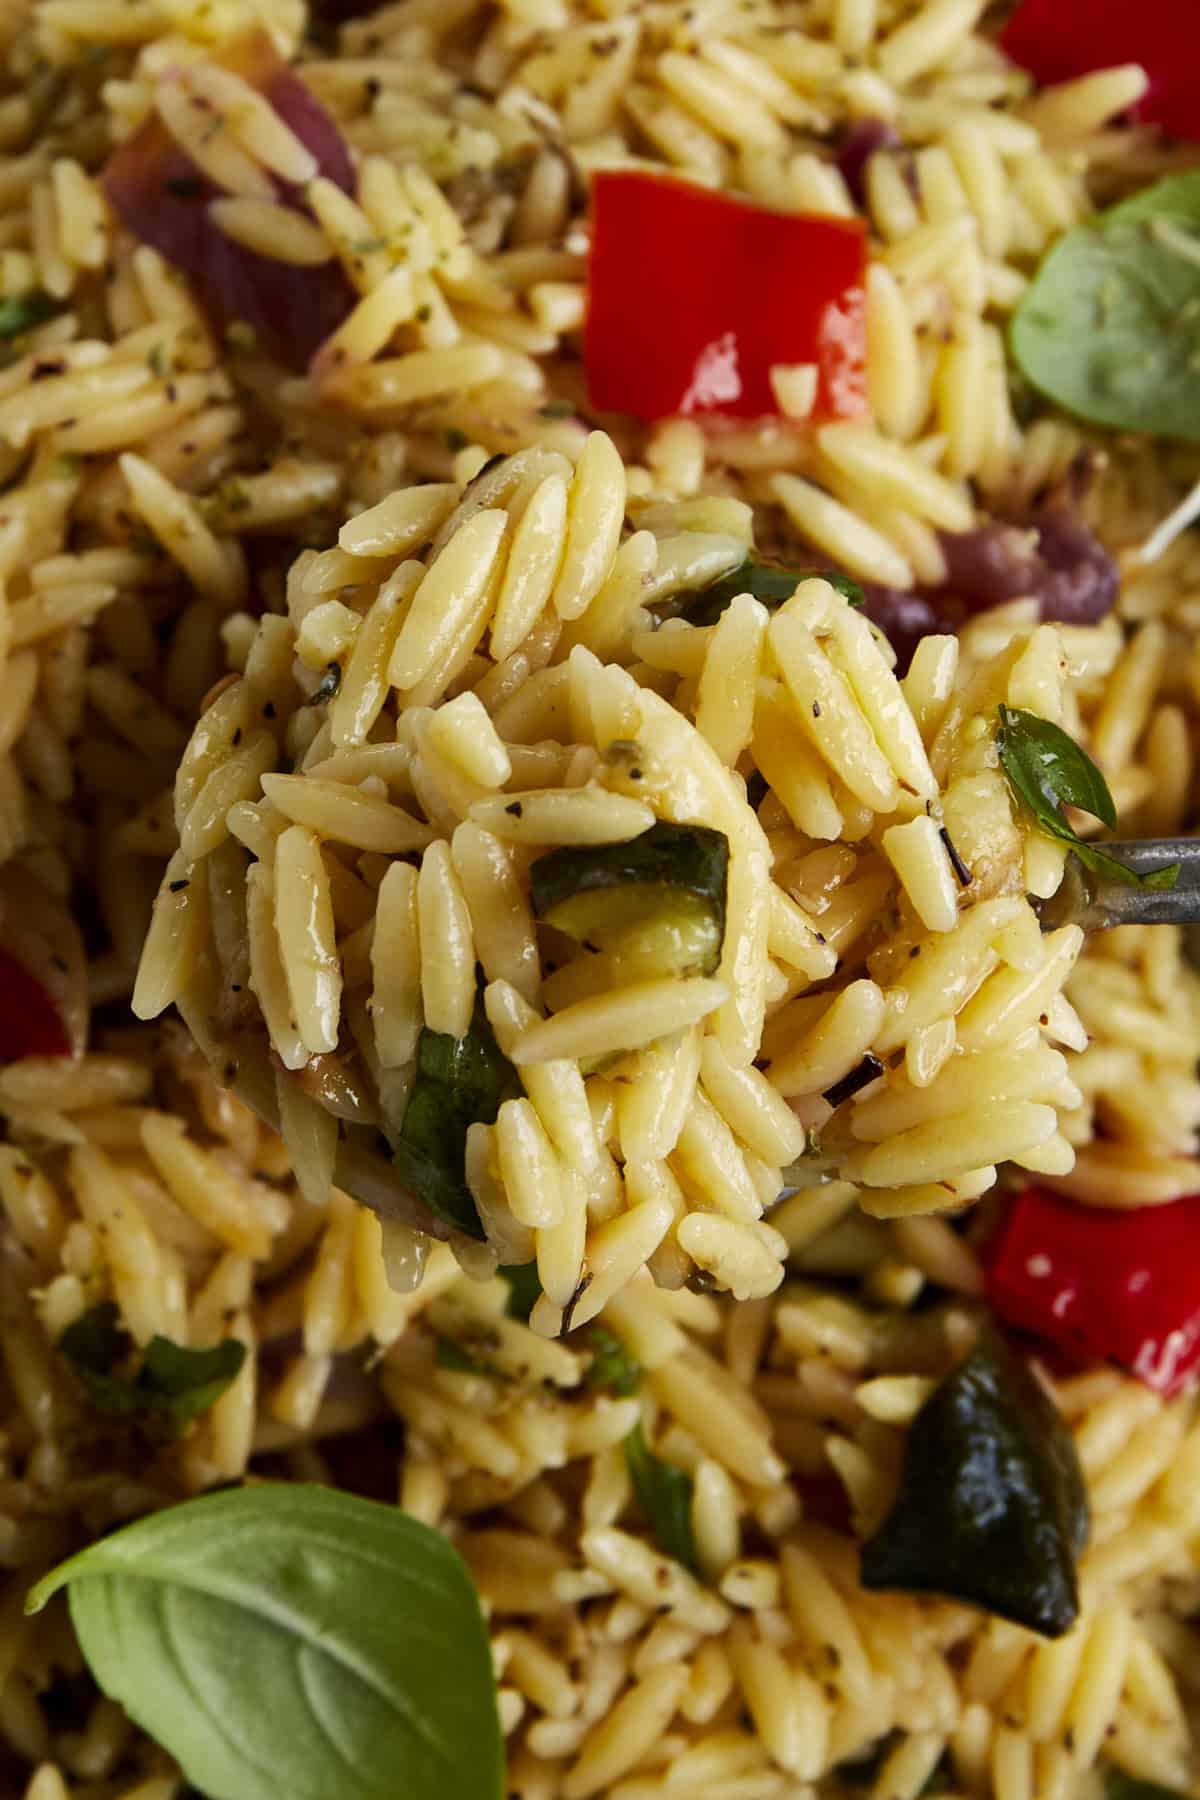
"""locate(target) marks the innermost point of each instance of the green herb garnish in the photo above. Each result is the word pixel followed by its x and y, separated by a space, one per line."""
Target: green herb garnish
pixel 612 1369
pixel 766 582
pixel 170 1386
pixel 24 312
pixel 450 1355
pixel 459 1082
pixel 290 1639
pixel 1047 770
pixel 1110 328
pixel 664 1493
pixel 524 1289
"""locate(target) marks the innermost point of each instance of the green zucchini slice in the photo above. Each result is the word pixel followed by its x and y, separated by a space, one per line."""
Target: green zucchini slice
pixel 655 904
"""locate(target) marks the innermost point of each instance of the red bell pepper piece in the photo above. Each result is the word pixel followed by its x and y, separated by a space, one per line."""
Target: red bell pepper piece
pixel 1058 39
pixel 693 296
pixel 162 198
pixel 1122 1287
pixel 29 1023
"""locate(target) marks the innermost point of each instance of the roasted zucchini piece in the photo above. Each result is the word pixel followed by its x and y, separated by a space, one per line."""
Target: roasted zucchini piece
pixel 992 1506
pixel 656 904
pixel 459 1082
pixel 766 582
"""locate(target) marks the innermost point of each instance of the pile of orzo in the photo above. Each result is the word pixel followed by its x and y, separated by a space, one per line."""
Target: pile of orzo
pixel 526 928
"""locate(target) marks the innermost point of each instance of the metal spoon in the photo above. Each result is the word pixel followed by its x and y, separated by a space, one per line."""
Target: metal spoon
pixel 1098 902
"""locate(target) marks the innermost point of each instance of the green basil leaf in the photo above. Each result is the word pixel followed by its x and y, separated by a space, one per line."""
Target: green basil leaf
pixel 459 1081
pixel 172 1386
pixel 450 1355
pixel 22 312
pixel 612 1368
pixel 766 582
pixel 1120 1786
pixel 179 1384
pixel 524 1289
pixel 97 1341
pixel 1047 770
pixel 1110 327
pixel 664 1493
pixel 293 1640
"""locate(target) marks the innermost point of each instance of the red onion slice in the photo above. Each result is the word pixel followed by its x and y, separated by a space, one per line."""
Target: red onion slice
pixel 163 199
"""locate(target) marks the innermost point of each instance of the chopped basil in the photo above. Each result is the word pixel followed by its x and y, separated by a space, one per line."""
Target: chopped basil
pixel 524 1289
pixel 1110 328
pixel 459 1082
pixel 171 1385
pixel 290 1639
pixel 1047 770
pixel 22 312
pixel 664 1493
pixel 612 1369
pixel 766 582
pixel 450 1355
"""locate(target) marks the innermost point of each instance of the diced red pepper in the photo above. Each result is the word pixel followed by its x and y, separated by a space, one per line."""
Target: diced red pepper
pixel 694 296
pixel 162 197
pixel 1121 1286
pixel 29 1022
pixel 1059 39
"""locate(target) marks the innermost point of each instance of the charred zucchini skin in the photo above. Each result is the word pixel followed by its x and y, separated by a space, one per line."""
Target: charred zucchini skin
pixel 459 1082
pixel 686 865
pixel 992 1506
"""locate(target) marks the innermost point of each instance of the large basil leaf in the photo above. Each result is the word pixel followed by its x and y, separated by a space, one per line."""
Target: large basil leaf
pixel 1047 770
pixel 293 1640
pixel 1110 327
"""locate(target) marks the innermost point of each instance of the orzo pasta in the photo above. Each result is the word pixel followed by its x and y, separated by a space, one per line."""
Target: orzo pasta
pixel 523 878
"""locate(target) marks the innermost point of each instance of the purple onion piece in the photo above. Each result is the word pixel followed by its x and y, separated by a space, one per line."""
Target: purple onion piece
pixel 856 149
pixel 163 199
pixel 991 564
pixel 1081 580
pixel 1051 556
pixel 906 617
